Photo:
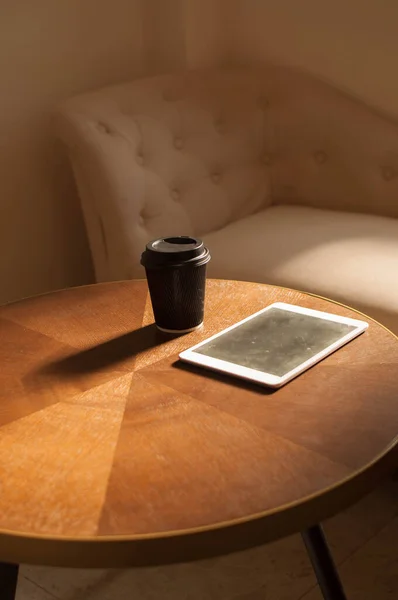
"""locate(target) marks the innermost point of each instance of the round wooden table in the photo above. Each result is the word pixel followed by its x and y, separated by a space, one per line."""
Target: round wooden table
pixel 113 453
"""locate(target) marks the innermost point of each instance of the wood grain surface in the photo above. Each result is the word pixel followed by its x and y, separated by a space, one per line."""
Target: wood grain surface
pixel 113 453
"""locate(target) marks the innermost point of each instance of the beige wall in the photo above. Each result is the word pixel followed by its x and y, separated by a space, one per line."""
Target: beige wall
pixel 184 33
pixel 48 51
pixel 351 42
pixel 206 34
pixel 52 49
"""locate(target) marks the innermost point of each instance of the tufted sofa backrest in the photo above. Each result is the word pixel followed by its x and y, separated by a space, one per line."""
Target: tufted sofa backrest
pixel 189 153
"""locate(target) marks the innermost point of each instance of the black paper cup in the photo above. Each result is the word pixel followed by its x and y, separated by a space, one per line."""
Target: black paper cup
pixel 176 273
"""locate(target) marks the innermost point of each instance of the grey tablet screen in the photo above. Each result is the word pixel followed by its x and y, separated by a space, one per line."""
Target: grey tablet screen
pixel 276 341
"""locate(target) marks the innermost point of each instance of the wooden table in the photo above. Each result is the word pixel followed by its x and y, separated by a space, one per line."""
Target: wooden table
pixel 113 454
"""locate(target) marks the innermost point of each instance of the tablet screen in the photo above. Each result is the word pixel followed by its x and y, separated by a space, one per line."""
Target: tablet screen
pixel 276 341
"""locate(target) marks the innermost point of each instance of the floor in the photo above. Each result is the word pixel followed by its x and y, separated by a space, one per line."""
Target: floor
pixel 364 540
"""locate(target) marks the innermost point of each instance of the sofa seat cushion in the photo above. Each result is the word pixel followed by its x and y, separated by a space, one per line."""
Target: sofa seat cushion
pixel 352 258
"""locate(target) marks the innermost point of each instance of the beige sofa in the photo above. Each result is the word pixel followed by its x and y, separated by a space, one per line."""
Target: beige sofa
pixel 288 180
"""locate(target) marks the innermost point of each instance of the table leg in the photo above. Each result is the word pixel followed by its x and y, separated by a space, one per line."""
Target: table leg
pixel 8 581
pixel 323 564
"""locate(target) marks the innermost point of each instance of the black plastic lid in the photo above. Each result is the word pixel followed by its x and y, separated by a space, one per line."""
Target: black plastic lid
pixel 174 251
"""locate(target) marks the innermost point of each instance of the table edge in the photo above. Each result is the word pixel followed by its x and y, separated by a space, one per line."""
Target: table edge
pixel 193 544
pixel 143 279
pixel 200 542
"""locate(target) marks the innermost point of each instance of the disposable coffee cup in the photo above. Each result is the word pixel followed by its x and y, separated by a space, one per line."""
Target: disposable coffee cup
pixel 176 272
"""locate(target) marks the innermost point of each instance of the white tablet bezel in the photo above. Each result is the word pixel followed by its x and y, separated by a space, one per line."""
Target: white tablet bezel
pixel 268 379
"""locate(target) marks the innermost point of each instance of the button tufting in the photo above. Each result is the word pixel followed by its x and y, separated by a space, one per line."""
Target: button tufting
pixel 216 177
pixel 178 143
pixel 172 95
pixel 220 125
pixel 141 220
pixel 388 172
pixel 140 158
pixel 320 157
pixel 263 102
pixel 103 128
pixel 175 194
pixel 267 159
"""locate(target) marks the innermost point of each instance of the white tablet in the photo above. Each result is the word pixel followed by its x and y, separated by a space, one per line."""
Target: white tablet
pixel 275 344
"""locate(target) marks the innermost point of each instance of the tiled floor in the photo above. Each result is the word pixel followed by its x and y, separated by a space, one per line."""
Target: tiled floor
pixel 364 540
